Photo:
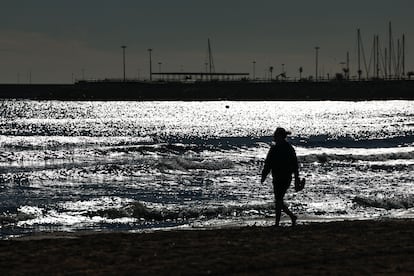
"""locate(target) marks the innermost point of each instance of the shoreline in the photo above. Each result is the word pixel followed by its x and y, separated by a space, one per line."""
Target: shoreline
pixel 367 246
pixel 197 225
pixel 303 220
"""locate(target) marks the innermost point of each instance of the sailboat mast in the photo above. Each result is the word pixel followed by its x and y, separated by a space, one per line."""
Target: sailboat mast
pixel 377 53
pixel 389 49
pixel 398 59
pixel 209 56
pixel 347 65
pixel 374 55
pixel 385 63
pixel 359 53
pixel 403 55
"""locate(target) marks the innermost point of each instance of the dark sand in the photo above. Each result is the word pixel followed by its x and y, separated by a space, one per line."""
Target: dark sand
pixel 351 247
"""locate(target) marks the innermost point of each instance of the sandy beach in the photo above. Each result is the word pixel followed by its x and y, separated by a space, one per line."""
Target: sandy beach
pixel 350 247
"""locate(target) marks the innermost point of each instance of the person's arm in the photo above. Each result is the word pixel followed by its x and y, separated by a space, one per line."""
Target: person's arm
pixel 267 167
pixel 295 165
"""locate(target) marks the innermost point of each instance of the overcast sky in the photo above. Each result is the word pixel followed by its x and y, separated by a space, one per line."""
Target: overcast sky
pixel 55 39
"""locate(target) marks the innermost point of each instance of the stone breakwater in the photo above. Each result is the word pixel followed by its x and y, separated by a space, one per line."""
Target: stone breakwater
pixel 219 90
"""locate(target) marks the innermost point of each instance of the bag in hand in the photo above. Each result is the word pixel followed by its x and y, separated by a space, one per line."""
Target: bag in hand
pixel 299 185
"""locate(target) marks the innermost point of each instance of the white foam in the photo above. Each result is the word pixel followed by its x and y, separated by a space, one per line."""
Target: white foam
pixel 354 154
pixel 183 164
pixel 388 203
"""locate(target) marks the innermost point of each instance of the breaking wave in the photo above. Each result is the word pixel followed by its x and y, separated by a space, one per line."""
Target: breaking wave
pixel 388 203
pixel 140 211
pixel 136 210
pixel 327 141
pixel 327 157
pixel 183 164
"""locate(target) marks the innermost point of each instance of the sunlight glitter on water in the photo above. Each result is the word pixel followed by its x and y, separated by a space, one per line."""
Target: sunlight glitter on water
pixel 146 165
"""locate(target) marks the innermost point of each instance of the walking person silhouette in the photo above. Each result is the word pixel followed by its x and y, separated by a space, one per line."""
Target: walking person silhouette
pixel 282 161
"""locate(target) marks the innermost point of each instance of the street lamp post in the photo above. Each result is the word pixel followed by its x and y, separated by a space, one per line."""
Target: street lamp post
pixel 123 60
pixel 254 70
pixel 316 62
pixel 159 69
pixel 150 63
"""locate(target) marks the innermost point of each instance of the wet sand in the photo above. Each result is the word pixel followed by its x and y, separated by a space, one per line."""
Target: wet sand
pixel 350 247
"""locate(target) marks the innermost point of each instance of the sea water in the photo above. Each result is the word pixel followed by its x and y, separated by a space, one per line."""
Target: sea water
pixel 132 166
